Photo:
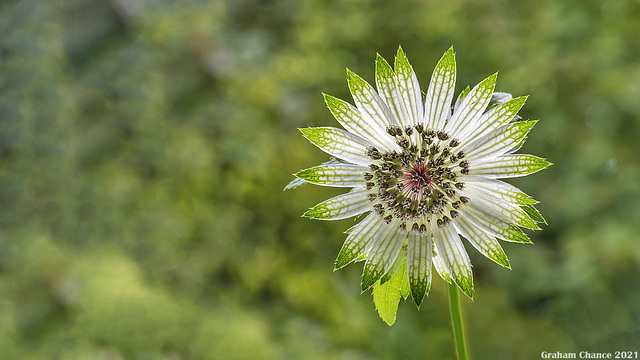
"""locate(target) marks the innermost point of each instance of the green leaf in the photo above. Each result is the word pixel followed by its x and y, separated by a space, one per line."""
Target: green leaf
pixel 386 296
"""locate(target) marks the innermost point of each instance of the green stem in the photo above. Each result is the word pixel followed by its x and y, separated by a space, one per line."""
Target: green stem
pixel 456 321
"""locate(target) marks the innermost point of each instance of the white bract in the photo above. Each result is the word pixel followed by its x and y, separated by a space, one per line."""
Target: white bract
pixel 428 174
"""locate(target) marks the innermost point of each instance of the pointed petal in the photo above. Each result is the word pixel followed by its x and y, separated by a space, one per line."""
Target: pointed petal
pixel 339 143
pixel 408 88
pixel 383 254
pixel 533 213
pixel 334 175
pixel 341 206
pixel 490 202
pixel 508 166
pixel 499 141
pixel 419 266
pixel 454 257
pixel 297 181
pixel 486 244
pixel 350 118
pixel 505 191
pixel 369 103
pixel 461 97
pixel 360 240
pixel 387 88
pixel 400 260
pixel 492 119
pixel 495 226
pixel 471 107
pixel 444 272
pixel 437 107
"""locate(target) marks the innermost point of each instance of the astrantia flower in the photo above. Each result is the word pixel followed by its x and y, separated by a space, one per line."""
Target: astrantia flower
pixel 428 174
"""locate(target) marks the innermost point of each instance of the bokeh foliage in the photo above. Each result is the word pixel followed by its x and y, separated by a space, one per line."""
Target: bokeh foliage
pixel 144 146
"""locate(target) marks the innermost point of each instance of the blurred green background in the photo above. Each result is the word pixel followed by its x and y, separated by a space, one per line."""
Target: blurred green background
pixel 144 146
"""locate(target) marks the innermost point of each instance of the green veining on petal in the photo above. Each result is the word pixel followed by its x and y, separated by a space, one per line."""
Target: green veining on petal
pixel 440 92
pixel 419 255
pixel 359 240
pixel 408 89
pixel 401 258
pixel 333 175
pixel 340 207
pixel 382 255
pixel 339 143
pixel 472 106
pixel 533 213
pixel 510 166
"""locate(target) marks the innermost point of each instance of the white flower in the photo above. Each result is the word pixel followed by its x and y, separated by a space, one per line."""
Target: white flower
pixel 427 173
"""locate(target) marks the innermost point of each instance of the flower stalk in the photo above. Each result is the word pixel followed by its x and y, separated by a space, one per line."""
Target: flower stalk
pixel 456 321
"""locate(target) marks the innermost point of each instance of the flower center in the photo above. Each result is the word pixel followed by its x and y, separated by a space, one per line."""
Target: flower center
pixel 421 184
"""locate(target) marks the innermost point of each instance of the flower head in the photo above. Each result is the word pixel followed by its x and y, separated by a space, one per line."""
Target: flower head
pixel 428 174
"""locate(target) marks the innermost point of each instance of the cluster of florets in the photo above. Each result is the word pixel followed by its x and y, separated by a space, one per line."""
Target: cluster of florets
pixel 418 185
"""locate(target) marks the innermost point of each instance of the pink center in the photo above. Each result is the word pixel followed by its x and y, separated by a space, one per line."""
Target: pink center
pixel 416 181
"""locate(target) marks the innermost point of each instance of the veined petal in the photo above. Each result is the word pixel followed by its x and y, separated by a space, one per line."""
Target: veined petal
pixel 486 244
pixel 341 206
pixel 505 191
pixel 461 96
pixel 471 107
pixel 495 226
pixel 499 141
pixel 339 143
pixel 387 88
pixel 487 201
pixel 342 175
pixel 369 103
pixel 508 166
pixel 360 240
pixel 533 213
pixel 419 266
pixel 492 119
pixel 408 88
pixel 297 181
pixel 383 254
pixel 437 108
pixel 350 118
pixel 454 257
pixel 443 271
